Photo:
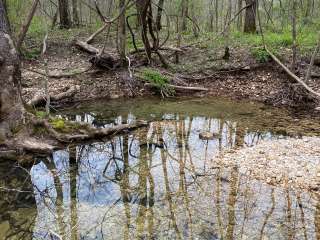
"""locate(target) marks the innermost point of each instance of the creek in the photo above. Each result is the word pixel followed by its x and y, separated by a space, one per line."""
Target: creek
pixel 158 182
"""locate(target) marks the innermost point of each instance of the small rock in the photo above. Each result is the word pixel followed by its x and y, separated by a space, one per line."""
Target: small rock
pixel 299 174
pixel 208 136
pixel 278 178
pixel 114 96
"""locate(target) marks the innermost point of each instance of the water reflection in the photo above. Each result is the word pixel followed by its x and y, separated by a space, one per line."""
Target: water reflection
pixel 155 183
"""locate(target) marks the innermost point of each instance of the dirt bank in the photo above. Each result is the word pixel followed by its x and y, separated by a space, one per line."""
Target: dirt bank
pixel 242 77
pixel 286 162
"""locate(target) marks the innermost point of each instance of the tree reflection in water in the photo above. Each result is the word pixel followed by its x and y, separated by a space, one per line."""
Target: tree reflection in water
pixel 155 183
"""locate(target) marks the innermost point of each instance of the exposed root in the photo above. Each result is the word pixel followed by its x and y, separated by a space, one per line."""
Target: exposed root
pixel 88 132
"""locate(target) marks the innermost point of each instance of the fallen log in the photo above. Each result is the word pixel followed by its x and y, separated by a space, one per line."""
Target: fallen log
pixel 291 74
pixel 86 47
pixel 40 100
pixel 59 75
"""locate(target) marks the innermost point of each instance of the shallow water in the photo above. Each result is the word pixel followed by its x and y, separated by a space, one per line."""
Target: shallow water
pixel 158 182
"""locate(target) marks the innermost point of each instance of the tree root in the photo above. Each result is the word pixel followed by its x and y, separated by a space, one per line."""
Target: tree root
pixel 24 147
pixel 87 132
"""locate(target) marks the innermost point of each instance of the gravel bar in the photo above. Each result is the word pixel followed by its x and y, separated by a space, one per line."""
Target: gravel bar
pixel 285 162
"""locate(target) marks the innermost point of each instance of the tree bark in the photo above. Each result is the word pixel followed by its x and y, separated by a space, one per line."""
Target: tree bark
pixel 75 13
pixel 142 9
pixel 4 23
pixel 65 21
pixel 159 15
pixel 122 37
pixel 184 14
pixel 239 22
pixel 294 34
pixel 11 106
pixel 250 17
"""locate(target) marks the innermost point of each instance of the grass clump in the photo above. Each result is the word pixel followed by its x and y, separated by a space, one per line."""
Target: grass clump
pixel 261 55
pixel 158 80
pixel 41 114
pixel 31 54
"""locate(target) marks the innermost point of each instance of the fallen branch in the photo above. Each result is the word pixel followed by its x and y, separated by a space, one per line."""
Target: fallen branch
pixel 287 70
pixel 40 100
pixel 164 48
pixel 100 30
pixel 26 24
pixel 59 75
pixel 181 87
pixel 291 74
pixel 86 47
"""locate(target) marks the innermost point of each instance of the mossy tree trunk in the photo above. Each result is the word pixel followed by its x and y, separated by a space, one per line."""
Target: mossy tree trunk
pixel 11 105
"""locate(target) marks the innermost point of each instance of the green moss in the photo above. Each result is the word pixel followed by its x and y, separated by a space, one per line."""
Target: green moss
pixel 58 123
pixel 64 126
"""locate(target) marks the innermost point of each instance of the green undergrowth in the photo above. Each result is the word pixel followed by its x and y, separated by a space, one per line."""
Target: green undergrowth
pixel 260 54
pixel 158 80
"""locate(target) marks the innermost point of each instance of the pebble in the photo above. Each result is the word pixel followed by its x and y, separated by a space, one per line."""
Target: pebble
pixel 280 162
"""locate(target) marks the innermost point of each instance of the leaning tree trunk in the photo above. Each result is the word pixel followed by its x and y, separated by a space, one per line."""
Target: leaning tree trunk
pixel 11 106
pixel 250 16
pixel 65 21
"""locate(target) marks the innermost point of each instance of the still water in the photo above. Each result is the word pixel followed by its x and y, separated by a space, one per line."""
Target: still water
pixel 158 182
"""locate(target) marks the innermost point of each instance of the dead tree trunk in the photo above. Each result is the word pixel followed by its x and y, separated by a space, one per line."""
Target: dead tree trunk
pixel 250 17
pixel 11 106
pixel 65 21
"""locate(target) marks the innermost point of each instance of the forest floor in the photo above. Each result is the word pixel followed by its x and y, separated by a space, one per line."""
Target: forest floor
pixel 286 162
pixel 241 77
